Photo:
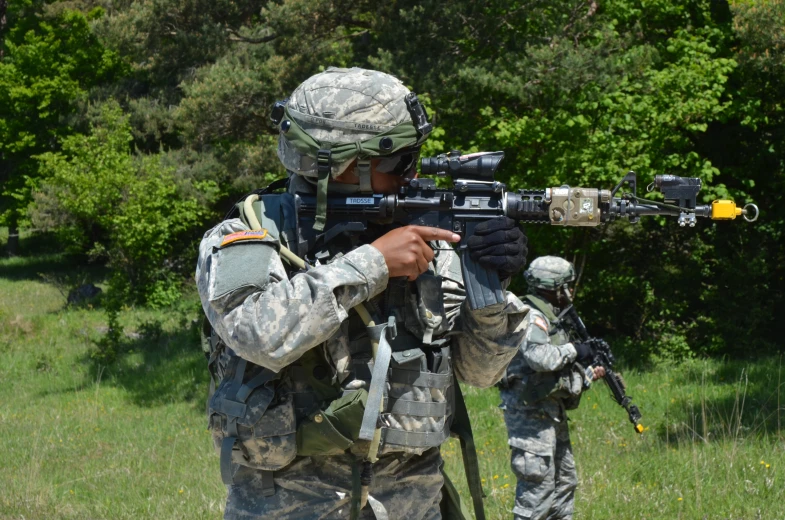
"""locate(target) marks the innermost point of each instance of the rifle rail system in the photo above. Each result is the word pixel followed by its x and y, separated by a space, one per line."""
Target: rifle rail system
pixel 476 196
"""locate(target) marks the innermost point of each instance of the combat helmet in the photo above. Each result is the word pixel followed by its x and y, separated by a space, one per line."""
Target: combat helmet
pixel 340 115
pixel 549 272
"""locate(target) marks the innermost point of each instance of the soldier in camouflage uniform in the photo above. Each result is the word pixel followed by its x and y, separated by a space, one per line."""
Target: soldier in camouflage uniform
pixel 291 356
pixel 545 378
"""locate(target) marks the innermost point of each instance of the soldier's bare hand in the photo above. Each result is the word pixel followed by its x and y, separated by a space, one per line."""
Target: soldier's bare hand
pixel 598 373
pixel 406 249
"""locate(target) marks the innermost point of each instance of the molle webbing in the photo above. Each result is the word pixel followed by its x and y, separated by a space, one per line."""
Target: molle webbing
pixel 425 380
pixel 307 402
pixel 402 341
pixel 415 408
pixel 233 407
pixel 415 439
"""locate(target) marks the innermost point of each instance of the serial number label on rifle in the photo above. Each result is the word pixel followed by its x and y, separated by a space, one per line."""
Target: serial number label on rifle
pixel 359 200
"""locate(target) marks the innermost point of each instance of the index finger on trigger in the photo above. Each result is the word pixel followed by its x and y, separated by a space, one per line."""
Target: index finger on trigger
pixel 433 233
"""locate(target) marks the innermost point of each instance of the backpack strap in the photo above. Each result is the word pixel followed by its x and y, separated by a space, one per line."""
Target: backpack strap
pixel 542 306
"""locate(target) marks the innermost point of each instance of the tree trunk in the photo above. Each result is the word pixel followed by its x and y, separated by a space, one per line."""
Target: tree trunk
pixel 12 249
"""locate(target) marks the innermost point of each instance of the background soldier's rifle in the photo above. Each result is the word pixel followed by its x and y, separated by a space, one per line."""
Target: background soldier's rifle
pixel 603 357
pixel 476 197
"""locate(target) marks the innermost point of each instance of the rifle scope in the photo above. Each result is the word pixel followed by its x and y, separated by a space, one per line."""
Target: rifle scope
pixel 476 166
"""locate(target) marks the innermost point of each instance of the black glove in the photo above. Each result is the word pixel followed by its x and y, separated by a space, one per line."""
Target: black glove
pixel 499 244
pixel 585 352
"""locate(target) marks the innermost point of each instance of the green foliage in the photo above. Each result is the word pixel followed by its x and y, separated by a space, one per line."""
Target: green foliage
pixel 128 208
pixel 574 92
pixel 108 346
pixel 48 64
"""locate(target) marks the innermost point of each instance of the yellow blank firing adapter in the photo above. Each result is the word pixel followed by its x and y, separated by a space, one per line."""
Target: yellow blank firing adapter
pixel 639 428
pixel 727 210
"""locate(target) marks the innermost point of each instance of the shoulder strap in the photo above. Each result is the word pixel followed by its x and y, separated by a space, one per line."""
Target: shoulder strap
pixel 277 214
pixel 211 346
pixel 235 212
pixel 542 306
pixel 461 426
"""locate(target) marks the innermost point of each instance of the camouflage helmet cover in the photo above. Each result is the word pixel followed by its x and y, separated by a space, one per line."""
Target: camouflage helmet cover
pixel 342 106
pixel 549 272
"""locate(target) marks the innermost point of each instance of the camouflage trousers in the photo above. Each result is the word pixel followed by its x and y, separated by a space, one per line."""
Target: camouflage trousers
pixel 542 461
pixel 403 487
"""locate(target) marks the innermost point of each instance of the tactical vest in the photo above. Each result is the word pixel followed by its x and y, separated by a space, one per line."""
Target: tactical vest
pixel 263 420
pixel 564 385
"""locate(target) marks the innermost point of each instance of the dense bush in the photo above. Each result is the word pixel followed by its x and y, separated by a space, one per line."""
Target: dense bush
pixel 104 200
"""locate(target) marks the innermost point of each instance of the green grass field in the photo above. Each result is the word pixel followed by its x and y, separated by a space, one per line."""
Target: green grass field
pixel 130 441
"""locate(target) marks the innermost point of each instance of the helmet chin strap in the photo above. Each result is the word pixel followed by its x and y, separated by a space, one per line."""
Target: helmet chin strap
pixel 324 164
pixel 363 171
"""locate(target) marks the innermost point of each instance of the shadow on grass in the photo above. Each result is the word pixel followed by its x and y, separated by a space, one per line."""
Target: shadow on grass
pixel 41 258
pixel 159 367
pixel 730 400
pixel 156 367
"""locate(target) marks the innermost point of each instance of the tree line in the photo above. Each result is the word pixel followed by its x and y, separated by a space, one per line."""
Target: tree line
pixel 127 128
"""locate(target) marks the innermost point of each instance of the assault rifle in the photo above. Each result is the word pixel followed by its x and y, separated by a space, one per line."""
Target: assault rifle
pixel 476 196
pixel 603 357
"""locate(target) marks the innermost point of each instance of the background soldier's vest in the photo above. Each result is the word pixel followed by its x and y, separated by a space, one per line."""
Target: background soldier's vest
pixel 263 420
pixel 532 386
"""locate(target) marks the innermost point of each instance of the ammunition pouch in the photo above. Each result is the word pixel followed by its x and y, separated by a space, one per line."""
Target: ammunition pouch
pixel 251 423
pixel 334 430
pixel 566 385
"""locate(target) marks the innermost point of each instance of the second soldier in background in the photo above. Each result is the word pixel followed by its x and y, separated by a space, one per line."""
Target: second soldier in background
pixel 544 380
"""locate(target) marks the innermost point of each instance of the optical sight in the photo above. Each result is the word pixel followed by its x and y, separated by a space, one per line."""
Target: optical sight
pixel 477 166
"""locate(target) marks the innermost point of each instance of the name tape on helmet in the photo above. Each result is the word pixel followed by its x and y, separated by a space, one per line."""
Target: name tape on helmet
pixel 334 123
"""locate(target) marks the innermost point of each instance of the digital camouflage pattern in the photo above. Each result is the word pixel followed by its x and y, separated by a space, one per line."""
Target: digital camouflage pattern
pixel 343 106
pixel 542 460
pixel 549 272
pixel 272 320
pixel 275 319
pixel 539 437
pixel 404 486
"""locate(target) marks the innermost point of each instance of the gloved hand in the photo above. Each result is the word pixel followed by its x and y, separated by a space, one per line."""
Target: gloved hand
pixel 499 244
pixel 585 352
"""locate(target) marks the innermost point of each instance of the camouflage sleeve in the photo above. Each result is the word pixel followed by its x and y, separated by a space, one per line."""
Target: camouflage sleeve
pixel 537 349
pixel 484 341
pixel 268 318
pixel 488 340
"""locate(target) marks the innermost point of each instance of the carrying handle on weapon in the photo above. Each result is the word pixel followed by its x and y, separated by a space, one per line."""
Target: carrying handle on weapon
pixel 483 287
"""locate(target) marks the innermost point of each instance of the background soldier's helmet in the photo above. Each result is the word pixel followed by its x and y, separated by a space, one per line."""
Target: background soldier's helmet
pixel 354 113
pixel 549 272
